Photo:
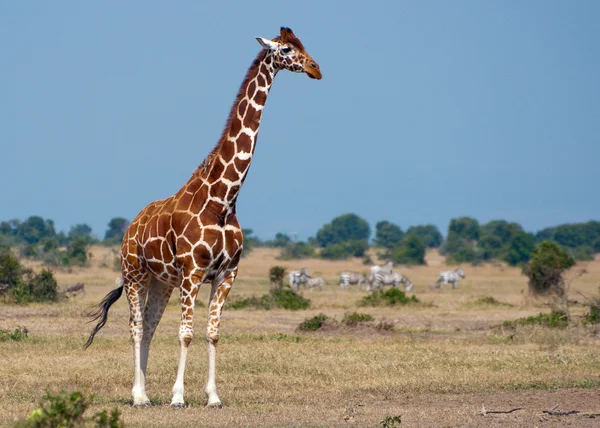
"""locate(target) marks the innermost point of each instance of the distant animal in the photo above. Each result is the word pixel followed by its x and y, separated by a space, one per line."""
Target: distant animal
pixel 75 289
pixel 348 277
pixel 386 268
pixel 450 277
pixel 393 279
pixel 318 281
pixel 297 278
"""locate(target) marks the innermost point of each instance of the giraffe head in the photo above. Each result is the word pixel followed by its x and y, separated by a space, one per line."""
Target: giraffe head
pixel 288 53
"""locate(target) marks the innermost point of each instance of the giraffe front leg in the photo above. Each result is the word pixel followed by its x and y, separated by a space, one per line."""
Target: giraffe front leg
pixel 188 292
pixel 218 295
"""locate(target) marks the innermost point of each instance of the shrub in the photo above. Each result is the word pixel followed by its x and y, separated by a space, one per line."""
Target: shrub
pixel 297 250
pixel 16 335
pixel 546 268
pixel 390 297
pixel 314 323
pixel 43 287
pixel 488 301
pixel 23 285
pixel 285 298
pixel 276 275
pixel 355 318
pixel 410 252
pixel 592 316
pixel 10 270
pixel 344 250
pixel 77 251
pixel 67 410
pixel 555 319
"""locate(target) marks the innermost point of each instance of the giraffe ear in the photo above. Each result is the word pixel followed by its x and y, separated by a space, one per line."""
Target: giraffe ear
pixel 267 44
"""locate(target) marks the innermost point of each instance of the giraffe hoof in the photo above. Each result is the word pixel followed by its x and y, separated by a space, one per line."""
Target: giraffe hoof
pixel 178 405
pixel 216 405
pixel 142 404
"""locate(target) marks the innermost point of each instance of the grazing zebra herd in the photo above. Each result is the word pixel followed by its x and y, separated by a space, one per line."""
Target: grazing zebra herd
pixel 380 276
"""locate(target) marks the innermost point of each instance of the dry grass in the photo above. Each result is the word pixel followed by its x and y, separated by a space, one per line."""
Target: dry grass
pixel 443 351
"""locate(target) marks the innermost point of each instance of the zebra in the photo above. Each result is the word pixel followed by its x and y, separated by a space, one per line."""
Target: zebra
pixel 392 279
pixel 386 268
pixel 298 277
pixel 450 277
pixel 315 282
pixel 348 277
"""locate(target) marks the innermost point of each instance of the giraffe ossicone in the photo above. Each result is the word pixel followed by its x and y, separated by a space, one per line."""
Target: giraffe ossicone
pixel 193 237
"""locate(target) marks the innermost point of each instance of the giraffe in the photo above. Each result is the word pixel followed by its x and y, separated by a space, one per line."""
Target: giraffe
pixel 193 237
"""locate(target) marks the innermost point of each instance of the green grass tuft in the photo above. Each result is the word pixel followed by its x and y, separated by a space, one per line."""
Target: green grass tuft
pixel 314 323
pixel 391 297
pixel 355 318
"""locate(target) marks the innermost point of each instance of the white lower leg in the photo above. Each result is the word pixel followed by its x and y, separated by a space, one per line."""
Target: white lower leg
pixel 139 377
pixel 178 387
pixel 211 384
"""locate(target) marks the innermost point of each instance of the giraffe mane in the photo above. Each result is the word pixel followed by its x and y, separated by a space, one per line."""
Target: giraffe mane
pixel 207 163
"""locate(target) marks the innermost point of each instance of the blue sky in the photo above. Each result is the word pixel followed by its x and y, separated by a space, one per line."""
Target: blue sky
pixel 426 111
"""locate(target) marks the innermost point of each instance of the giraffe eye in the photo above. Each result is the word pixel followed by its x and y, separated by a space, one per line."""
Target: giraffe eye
pixel 286 50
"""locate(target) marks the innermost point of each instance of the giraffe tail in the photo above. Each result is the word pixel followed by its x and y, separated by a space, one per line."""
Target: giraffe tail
pixel 101 312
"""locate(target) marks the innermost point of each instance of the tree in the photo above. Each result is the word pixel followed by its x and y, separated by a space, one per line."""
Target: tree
pixel 464 227
pixel 410 252
pixel 388 235
pixel 281 240
pixel 428 234
pixel 81 231
pixel 347 227
pixel 116 229
pixel 35 229
pixel 520 249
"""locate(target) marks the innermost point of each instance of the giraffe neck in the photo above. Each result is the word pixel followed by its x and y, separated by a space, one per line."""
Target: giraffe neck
pixel 226 167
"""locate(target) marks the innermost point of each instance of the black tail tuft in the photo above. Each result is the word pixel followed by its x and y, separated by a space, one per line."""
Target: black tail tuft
pixel 101 312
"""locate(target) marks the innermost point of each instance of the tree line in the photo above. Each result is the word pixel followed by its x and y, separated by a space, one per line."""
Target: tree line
pixel 348 235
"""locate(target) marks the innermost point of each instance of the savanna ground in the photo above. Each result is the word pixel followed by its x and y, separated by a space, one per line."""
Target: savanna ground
pixel 443 361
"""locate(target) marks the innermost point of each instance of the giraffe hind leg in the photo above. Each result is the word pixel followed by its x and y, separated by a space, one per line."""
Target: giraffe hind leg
pixel 156 302
pixel 137 290
pixel 218 295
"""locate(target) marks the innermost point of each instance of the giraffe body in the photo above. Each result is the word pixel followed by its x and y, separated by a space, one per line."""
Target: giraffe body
pixel 194 237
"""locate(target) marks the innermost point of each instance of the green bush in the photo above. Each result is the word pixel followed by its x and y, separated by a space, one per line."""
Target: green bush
pixel 23 285
pixel 488 301
pixel 314 323
pixel 16 335
pixel 285 298
pixel 546 268
pixel 554 319
pixel 77 251
pixel 390 297
pixel 297 250
pixel 410 252
pixel 10 270
pixel 276 275
pixel 592 316
pixel 344 250
pixel 356 318
pixel 67 410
